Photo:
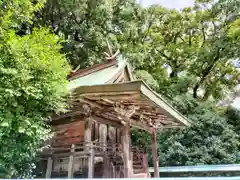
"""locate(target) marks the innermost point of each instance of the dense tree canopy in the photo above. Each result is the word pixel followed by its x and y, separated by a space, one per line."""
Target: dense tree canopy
pixel 211 139
pixel 190 56
pixel 193 42
pixel 33 82
pixel 87 25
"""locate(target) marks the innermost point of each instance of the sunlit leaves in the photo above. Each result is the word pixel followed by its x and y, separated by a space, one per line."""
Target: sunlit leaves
pixel 33 82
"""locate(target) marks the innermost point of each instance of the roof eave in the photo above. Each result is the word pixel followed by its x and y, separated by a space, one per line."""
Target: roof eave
pixel 163 104
pixel 145 90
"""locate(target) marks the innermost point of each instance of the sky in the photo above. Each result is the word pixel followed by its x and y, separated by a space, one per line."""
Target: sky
pixel 179 4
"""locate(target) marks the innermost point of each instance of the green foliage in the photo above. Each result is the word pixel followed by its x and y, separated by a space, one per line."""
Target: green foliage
pixel 233 118
pixel 234 31
pixel 33 80
pixel 145 76
pixel 14 13
pixel 179 53
pixel 193 41
pixel 87 25
pixel 211 139
pixel 185 55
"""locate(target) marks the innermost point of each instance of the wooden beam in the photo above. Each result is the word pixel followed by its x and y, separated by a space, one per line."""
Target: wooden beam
pixel 126 152
pixel 90 102
pixel 113 97
pixel 49 168
pixel 67 115
pixel 107 121
pixel 71 163
pixel 67 120
pixel 90 92
pixel 140 125
pixel 74 111
pixel 155 154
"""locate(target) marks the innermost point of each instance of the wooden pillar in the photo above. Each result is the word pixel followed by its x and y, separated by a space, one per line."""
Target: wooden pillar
pixel 89 147
pixel 91 163
pixel 49 167
pixel 88 130
pixel 71 162
pixel 103 136
pixel 155 154
pixel 106 167
pixel 145 163
pixel 126 152
pixel 113 171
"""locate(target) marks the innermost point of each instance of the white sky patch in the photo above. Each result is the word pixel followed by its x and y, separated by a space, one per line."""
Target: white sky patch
pixel 178 4
pixel 236 103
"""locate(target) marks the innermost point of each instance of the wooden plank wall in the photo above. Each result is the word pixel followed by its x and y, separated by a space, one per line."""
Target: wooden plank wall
pixel 73 133
pixel 68 134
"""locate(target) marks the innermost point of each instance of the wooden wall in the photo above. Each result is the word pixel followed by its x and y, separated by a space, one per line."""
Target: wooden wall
pixel 73 133
pixel 68 134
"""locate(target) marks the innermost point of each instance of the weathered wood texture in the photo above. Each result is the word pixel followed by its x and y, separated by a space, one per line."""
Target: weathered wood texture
pixel 145 164
pixel 91 164
pixel 126 152
pixel 49 167
pixel 71 163
pixel 67 134
pixel 155 154
pixel 103 134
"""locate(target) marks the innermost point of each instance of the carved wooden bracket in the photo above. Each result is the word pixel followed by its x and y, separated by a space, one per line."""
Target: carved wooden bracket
pixel 125 113
pixel 87 109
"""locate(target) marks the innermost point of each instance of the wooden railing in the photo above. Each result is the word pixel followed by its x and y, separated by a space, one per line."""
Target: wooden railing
pixel 64 161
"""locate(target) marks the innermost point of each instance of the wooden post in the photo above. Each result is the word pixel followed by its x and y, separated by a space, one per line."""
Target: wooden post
pixel 113 171
pixel 49 167
pixel 88 130
pixel 126 152
pixel 91 162
pixel 89 146
pixel 155 154
pixel 106 167
pixel 71 162
pixel 145 163
pixel 103 136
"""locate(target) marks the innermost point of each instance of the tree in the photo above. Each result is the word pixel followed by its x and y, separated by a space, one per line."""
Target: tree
pixel 234 31
pixel 14 13
pixel 187 54
pixel 33 82
pixel 193 41
pixel 87 25
pixel 196 48
pixel 211 139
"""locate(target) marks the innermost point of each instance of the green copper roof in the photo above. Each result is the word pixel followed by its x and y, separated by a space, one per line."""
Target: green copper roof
pixel 99 77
